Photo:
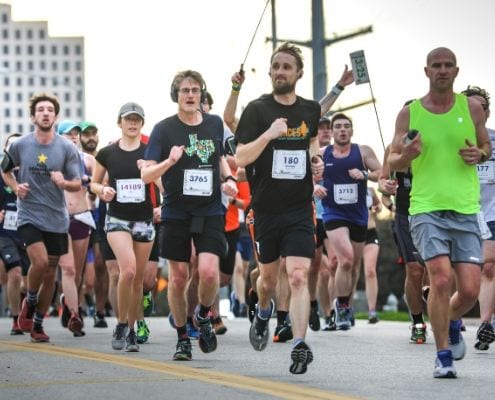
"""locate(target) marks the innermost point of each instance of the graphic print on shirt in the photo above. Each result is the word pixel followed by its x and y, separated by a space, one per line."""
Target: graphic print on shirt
pixel 203 148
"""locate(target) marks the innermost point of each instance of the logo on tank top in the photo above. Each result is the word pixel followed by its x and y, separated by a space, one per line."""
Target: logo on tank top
pixel 203 148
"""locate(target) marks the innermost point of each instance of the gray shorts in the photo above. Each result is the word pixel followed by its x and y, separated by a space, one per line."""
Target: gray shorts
pixel 141 231
pixel 447 233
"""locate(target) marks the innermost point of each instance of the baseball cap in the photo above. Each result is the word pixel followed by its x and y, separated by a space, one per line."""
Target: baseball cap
pixel 87 124
pixel 66 126
pixel 131 108
pixel 324 120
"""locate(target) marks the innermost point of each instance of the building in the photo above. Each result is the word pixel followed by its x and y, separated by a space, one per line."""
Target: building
pixel 32 62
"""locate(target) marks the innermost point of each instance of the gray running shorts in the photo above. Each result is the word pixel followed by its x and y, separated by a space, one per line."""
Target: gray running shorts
pixel 447 233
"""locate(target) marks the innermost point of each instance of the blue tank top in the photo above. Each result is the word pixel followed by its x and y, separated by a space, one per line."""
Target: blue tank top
pixel 346 197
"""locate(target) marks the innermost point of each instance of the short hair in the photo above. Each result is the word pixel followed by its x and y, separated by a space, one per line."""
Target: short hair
pixel 291 49
pixel 37 98
pixel 477 91
pixel 180 76
pixel 339 116
pixel 440 49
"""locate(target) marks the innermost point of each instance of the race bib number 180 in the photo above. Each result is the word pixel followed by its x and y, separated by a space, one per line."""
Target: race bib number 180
pixel 289 164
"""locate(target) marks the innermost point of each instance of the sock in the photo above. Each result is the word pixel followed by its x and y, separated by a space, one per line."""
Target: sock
pixel 281 317
pixel 38 319
pixel 15 318
pixel 182 332
pixel 32 297
pixel 265 313
pixel 190 320
pixel 203 311
pixel 296 342
pixel 314 304
pixel 417 318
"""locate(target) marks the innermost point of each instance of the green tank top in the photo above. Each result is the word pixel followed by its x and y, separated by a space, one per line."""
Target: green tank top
pixel 442 181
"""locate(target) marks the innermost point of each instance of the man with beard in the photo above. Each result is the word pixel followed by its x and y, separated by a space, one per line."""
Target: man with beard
pixel 348 166
pixel 48 165
pixel 277 135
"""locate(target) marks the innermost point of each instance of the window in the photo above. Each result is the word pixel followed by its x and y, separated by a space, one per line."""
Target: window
pixel 42 34
pixel 19 96
pixel 67 80
pixel 55 81
pixel 77 49
pixel 19 81
pixel 29 33
pixel 42 65
pixel 6 113
pixel 67 113
pixel 6 81
pixel 54 65
pixel 7 128
pixel 20 128
pixel 20 113
pixel 78 65
pixel 67 96
pixel 5 18
pixel 42 50
pixel 6 96
pixel 5 33
pixel 42 81
pixel 30 49
pixel 17 34
pixel 66 66
pixel 31 81
pixel 18 50
pixel 54 50
pixel 6 64
pixel 79 113
pixel 5 49
pixel 66 50
pixel 18 65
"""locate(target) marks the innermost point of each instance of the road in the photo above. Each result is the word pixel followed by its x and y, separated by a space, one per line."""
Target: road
pixel 367 362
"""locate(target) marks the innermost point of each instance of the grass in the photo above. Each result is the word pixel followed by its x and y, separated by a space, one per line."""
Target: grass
pixel 386 316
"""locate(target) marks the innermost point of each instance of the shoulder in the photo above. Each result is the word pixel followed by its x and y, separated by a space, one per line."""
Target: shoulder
pixel 310 104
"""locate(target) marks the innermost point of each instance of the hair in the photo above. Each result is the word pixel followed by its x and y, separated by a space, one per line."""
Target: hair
pixel 477 91
pixel 180 76
pixel 339 116
pixel 12 135
pixel 208 99
pixel 37 98
pixel 291 49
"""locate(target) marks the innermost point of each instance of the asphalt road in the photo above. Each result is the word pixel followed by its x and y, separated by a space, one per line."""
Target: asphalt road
pixel 367 362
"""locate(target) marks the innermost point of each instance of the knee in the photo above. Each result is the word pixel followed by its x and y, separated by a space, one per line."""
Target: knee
pixel 127 275
pixel 15 276
pixel 178 282
pixel 370 273
pixel 487 271
pixel 415 273
pixel 209 276
pixel 298 278
pixel 442 284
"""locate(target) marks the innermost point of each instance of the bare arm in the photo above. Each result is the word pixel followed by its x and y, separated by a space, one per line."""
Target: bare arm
pixel 230 108
pixel 480 151
pixel 371 162
pixel 401 153
pixel 151 171
pixel 10 181
pixel 386 185
pixel 331 97
pixel 248 153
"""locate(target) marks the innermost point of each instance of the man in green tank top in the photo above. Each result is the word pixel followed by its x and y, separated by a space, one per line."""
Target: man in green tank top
pixel 445 198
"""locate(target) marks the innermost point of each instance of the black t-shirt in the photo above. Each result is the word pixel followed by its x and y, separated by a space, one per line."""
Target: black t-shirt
pixel 199 166
pixel 278 195
pixel 125 178
pixel 402 196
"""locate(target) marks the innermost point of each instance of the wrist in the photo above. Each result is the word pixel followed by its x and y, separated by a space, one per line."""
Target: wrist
pixel 365 174
pixel 236 87
pixel 232 201
pixel 484 156
pixel 336 90
pixel 230 177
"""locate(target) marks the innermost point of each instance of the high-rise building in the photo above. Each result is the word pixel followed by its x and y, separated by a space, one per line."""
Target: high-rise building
pixel 33 62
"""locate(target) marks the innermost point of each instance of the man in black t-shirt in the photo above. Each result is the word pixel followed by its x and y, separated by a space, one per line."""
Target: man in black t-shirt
pixel 186 151
pixel 277 141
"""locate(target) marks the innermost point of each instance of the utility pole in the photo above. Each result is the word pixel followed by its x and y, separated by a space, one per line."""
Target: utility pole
pixel 318 44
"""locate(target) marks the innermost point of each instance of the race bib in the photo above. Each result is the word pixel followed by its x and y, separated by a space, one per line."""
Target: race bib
pixel 289 164
pixel 345 194
pixel 10 220
pixel 486 172
pixel 130 190
pixel 198 182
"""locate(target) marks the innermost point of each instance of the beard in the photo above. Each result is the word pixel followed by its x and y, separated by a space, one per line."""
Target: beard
pixel 283 88
pixel 89 146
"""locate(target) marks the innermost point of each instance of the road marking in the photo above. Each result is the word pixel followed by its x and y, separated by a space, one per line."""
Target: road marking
pixel 281 390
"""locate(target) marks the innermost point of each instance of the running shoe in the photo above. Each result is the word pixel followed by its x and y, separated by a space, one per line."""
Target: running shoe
pixel 234 304
pixel 99 320
pixel 131 344
pixel 25 319
pixel 251 302
pixel 192 331
pixel 243 311
pixel 418 333
pixel 342 317
pixel 119 336
pixel 330 324
pixel 259 333
pixel 183 350
pixel 143 332
pixel 484 336
pixel 75 325
pixel 65 316
pixel 456 342
pixel 207 338
pixel 372 318
pixel 218 326
pixel 283 333
pixel 38 335
pixel 444 368
pixel 16 330
pixel 314 319
pixel 148 304
pixel 301 357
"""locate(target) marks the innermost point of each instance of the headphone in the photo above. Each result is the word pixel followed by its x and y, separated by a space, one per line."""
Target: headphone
pixel 174 91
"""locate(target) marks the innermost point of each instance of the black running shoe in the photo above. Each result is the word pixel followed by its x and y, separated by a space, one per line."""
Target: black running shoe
pixel 207 337
pixel 251 301
pixel 301 357
pixel 259 333
pixel 314 319
pixel 330 324
pixel 65 316
pixel 484 336
pixel 283 333
pixel 183 350
pixel 99 320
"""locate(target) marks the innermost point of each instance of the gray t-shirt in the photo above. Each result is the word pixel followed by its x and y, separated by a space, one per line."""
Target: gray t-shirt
pixel 44 206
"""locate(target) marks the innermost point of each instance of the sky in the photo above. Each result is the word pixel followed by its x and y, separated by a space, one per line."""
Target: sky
pixel 133 50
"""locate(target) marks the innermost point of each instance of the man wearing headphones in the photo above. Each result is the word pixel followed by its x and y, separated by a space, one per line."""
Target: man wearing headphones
pixel 186 151
pixel 277 136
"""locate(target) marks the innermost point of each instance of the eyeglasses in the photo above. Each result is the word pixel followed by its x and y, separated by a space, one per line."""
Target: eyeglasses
pixel 194 90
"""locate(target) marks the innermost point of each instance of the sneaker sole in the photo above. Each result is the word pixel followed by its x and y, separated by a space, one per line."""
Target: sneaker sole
pixel 481 346
pixel 301 358
pixel 118 345
pixel 182 357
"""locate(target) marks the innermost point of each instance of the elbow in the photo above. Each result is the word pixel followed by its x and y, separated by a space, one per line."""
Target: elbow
pixel 240 161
